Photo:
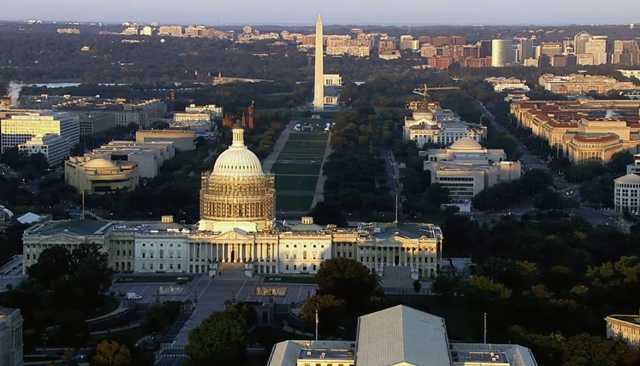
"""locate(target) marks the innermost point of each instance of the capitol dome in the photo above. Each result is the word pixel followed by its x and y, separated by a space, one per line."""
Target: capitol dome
pixel 466 144
pixel 237 194
pixel 237 160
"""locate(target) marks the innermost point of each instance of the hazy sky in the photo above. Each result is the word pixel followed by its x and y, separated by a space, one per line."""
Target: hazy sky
pixel 363 12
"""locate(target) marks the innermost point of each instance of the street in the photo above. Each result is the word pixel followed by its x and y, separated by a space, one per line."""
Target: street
pixel 393 176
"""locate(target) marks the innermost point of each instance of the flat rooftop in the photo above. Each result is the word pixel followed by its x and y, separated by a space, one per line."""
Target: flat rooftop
pixel 634 319
pixel 71 227
pixel 480 357
pixel 326 354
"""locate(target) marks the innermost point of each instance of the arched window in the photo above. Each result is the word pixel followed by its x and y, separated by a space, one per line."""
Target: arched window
pixel 117 265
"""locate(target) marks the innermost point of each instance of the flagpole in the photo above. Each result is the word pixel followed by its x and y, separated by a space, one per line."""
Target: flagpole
pixel 317 321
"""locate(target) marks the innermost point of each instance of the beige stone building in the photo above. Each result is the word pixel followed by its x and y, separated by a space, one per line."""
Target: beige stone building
pixel 466 168
pixel 582 84
pixel 625 327
pixel 100 175
pixel 184 140
pixel 583 129
pixel 149 155
pixel 238 233
pixel 11 346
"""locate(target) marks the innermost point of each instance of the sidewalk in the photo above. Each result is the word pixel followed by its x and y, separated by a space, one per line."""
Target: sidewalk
pixel 277 148
pixel 319 193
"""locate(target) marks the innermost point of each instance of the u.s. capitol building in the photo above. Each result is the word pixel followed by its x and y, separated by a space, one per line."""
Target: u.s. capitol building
pixel 238 232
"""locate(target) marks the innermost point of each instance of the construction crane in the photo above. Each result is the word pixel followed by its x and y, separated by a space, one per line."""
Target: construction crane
pixel 424 89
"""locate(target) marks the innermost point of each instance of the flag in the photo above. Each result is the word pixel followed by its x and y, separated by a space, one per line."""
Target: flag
pixel 317 322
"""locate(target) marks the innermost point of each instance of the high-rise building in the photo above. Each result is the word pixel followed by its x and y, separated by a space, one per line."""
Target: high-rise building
pixel 318 90
pixel 501 52
pixel 580 42
pixel 485 49
pixel 597 47
pixel 625 53
pixel 20 128
pixel 525 49
pixel 54 147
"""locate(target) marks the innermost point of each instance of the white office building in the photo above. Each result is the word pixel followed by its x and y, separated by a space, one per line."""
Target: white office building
pixel 20 128
pixel 627 194
pixel 54 147
pixel 433 125
pixel 466 168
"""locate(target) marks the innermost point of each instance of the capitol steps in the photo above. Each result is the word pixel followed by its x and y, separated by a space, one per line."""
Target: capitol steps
pixel 227 270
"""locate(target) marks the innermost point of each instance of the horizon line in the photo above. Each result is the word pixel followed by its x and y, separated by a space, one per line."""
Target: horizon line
pixel 295 24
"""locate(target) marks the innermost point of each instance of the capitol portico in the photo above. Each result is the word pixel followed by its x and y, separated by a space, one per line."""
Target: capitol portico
pixel 238 233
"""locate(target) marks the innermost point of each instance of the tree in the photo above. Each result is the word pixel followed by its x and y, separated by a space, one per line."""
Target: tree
pixel 111 353
pixel 348 280
pixel 482 293
pixel 92 273
pixel 329 310
pixel 221 339
pixel 159 316
pixel 53 264
pixel 417 286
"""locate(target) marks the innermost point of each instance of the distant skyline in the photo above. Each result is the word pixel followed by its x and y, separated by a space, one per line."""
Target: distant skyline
pixel 334 12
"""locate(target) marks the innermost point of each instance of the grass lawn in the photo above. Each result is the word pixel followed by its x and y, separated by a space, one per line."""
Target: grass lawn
pixel 461 325
pixel 296 183
pixel 308 136
pixel 293 203
pixel 281 168
pixel 289 279
pixel 153 278
pixel 303 155
pixel 304 146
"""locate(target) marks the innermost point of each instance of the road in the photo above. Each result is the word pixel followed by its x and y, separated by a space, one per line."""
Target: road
pixel 529 160
pixel 393 176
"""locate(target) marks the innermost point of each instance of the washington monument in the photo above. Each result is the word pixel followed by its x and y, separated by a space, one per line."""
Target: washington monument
pixel 318 92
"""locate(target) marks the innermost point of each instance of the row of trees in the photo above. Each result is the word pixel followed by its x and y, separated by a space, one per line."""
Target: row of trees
pixel 355 173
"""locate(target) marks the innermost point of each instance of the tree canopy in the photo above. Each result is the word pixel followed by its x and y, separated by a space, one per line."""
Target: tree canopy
pixel 348 280
pixel 221 339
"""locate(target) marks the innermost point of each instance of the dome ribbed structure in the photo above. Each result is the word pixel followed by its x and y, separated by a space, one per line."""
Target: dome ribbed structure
pixel 238 190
